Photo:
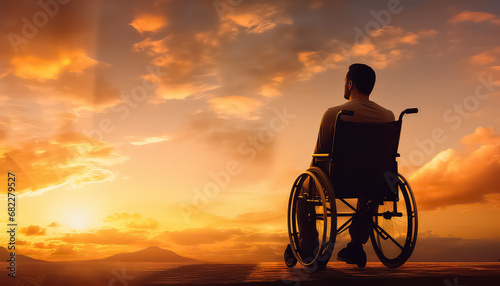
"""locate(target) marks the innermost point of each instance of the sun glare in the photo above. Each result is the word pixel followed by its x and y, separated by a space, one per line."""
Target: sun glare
pixel 77 220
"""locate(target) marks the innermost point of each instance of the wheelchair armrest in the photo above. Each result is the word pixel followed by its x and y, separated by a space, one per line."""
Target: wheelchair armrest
pixel 321 155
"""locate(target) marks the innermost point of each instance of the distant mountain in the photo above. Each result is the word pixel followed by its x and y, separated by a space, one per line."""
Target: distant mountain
pixel 150 254
pixel 5 255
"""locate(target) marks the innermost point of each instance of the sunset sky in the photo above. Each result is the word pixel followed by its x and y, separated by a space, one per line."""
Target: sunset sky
pixel 182 124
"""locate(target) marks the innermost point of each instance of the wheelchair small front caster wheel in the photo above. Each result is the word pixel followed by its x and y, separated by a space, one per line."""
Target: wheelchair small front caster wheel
pixel 290 259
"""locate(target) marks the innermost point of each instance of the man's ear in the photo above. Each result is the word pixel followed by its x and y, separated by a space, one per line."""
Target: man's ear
pixel 349 84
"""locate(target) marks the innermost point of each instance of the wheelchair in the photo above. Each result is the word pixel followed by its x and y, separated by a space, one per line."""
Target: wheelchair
pixel 362 165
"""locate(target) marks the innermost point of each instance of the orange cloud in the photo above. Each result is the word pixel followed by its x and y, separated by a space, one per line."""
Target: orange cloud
pixel 375 56
pixel 389 36
pixel 167 91
pixel 481 136
pixel 311 64
pixel 189 66
pixel 70 79
pixel 454 178
pixel 131 221
pixel 201 236
pixel 151 47
pixel 149 23
pixel 362 49
pixel 486 57
pixel 32 230
pixel 272 89
pixel 41 69
pixel 66 250
pixel 476 17
pixel 22 242
pixel 68 159
pixel 54 224
pixel 258 18
pixel 427 33
pixel 384 47
pixel 235 106
pixel 319 61
pixel 240 55
pixel 409 39
pixel 44 245
pixel 150 140
pixel 104 236
pixel 58 63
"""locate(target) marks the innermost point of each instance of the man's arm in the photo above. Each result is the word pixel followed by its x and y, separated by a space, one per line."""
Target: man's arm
pixel 325 134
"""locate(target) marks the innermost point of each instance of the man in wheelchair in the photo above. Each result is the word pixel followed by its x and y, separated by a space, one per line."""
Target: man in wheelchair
pixel 359 83
pixel 355 158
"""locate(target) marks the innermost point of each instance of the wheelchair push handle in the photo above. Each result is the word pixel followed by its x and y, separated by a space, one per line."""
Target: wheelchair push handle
pixel 343 112
pixel 408 111
pixel 347 112
pixel 411 110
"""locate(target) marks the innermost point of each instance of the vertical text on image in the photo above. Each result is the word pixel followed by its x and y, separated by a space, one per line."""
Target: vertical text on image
pixel 11 225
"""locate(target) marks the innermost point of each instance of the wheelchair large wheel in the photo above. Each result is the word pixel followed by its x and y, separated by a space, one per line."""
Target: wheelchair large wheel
pixel 395 227
pixel 312 220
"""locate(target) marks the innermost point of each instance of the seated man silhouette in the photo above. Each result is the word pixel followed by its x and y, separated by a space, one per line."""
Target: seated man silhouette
pixel 359 83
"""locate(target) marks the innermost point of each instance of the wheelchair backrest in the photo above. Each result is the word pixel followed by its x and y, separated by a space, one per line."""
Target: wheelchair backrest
pixel 364 159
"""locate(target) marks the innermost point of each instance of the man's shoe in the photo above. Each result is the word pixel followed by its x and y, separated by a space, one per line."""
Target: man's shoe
pixel 353 254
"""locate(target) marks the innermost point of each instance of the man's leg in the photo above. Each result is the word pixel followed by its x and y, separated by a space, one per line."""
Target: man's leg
pixel 361 225
pixel 360 229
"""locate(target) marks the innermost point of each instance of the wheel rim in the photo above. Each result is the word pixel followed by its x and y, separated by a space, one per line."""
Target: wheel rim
pixel 393 238
pixel 325 217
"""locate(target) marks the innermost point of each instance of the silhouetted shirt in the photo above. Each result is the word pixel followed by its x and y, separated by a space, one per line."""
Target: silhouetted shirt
pixel 364 112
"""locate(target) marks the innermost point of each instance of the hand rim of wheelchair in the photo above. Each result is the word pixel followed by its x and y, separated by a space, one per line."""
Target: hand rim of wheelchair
pixel 325 250
pixel 315 265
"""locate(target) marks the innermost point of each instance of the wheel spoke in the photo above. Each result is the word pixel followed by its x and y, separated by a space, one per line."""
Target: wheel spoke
pixel 382 231
pixel 344 227
pixel 348 204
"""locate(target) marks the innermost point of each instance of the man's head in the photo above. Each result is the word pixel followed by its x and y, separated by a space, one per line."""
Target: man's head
pixel 361 77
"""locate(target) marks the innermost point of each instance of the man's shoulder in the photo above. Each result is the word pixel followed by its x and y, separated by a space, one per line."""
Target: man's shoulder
pixel 334 110
pixel 361 107
pixel 373 103
pixel 366 111
pixel 338 108
pixel 387 112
